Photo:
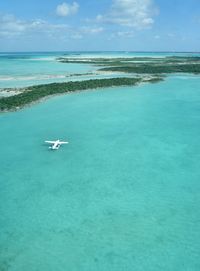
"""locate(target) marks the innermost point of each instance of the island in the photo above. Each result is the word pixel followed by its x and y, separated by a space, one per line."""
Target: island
pixel 135 70
pixel 36 93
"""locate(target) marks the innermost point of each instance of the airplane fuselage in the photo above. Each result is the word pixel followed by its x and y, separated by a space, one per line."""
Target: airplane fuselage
pixel 56 145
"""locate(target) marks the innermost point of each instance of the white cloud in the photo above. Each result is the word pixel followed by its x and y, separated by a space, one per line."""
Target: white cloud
pixel 122 34
pixel 171 35
pixel 132 13
pixel 66 9
pixel 76 36
pixel 157 37
pixel 125 34
pixel 91 30
pixel 11 26
pixel 8 23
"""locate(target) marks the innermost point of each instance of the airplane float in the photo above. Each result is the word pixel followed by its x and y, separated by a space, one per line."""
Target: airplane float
pixel 56 144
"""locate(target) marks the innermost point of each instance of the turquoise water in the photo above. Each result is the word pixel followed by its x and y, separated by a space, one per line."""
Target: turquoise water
pixel 26 69
pixel 123 195
pixel 20 70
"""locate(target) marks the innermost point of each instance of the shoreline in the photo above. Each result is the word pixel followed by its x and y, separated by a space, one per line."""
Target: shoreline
pixel 127 73
pixel 24 99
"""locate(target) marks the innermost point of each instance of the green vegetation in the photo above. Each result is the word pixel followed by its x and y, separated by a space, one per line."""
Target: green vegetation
pixel 154 79
pixel 142 65
pixel 35 93
pixel 156 69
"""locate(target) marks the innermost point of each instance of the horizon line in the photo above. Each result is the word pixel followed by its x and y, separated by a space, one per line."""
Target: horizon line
pixel 95 51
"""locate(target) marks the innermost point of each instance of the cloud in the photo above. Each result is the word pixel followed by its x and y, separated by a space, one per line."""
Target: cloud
pixel 125 34
pixel 137 14
pixel 11 26
pixel 91 30
pixel 171 35
pixel 157 37
pixel 66 9
pixel 76 36
pixel 122 34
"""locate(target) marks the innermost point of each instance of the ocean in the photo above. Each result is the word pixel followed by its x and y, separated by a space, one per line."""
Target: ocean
pixel 27 69
pixel 122 195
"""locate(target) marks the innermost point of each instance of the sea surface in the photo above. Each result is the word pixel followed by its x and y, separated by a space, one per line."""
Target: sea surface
pixel 31 68
pixel 122 195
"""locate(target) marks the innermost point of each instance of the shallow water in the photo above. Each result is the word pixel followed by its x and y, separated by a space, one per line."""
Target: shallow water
pixel 26 69
pixel 20 70
pixel 123 195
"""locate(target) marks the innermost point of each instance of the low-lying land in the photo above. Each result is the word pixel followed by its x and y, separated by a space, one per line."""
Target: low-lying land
pixel 146 69
pixel 156 69
pixel 142 65
pixel 35 93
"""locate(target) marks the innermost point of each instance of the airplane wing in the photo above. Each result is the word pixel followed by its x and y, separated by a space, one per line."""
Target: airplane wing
pixel 51 142
pixel 63 142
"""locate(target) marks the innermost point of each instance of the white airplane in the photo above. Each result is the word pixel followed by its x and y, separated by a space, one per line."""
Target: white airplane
pixel 56 144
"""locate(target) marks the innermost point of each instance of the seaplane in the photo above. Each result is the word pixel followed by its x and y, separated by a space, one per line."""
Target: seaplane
pixel 55 144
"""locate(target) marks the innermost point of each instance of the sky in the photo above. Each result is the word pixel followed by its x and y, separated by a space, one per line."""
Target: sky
pixel 100 25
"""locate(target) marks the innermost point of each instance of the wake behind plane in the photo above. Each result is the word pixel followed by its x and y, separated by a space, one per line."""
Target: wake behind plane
pixel 56 144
